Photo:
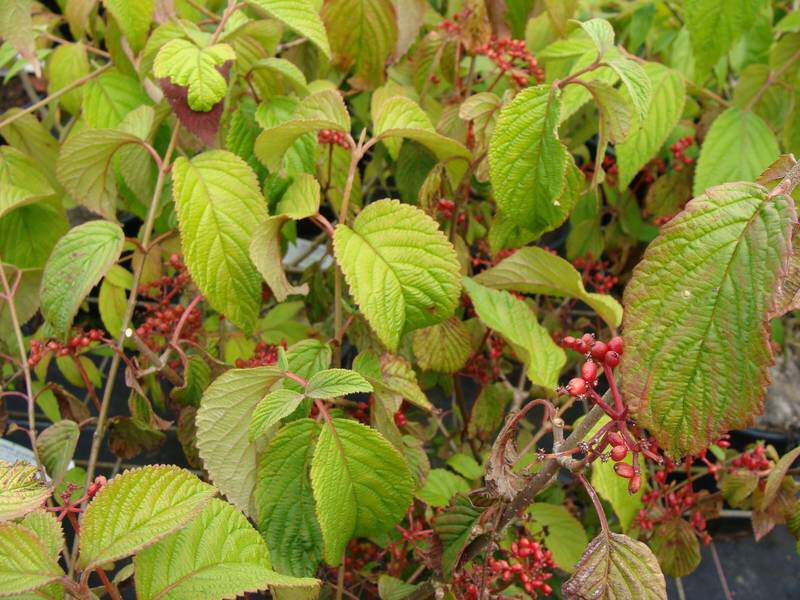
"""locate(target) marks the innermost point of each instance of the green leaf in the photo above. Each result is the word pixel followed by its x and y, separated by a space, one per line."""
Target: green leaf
pixel 511 318
pixel 676 546
pixel 300 16
pixel 400 117
pixel 219 206
pixel 48 529
pixel 28 135
pixel 286 70
pixel 534 270
pixel 109 98
pixel 564 535
pixel 444 347
pixel 112 302
pixel 332 383
pixel 65 65
pixel 56 446
pixel 350 462
pixel 714 27
pixel 615 111
pixel 649 132
pixel 274 407
pixel 487 412
pixel 527 162
pixel 77 263
pixel 25 563
pixel 138 508
pixel 85 167
pixel 189 65
pixel 196 376
pixel 322 110
pixel 392 375
pixel 738 486
pixel 16 27
pixel 600 32
pixel 133 20
pixel 636 82
pixel 455 527
pixel 465 465
pixel 710 275
pixel 615 566
pixel 391 588
pixel 776 475
pixel 21 491
pixel 286 512
pixel 21 181
pixel 440 486
pixel 401 269
pixel 363 34
pixel 218 555
pixel 222 431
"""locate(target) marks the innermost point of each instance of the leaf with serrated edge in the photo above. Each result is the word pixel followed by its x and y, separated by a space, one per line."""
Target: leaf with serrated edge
pixel 299 15
pixel 352 461
pixel 20 490
pixel 195 68
pixel 219 206
pixel 133 19
pixel 527 162
pixel 274 407
pixel 77 263
pixel 110 97
pixel 21 181
pixel 454 528
pixel 321 110
pixel 392 374
pixel 222 427
pixel 776 475
pixel 332 383
pixel 47 528
pixel 444 347
pixel 25 563
pixel 511 318
pixel 440 486
pixel 636 82
pixel 85 170
pixel 534 270
pixel 265 252
pixel 615 567
pixel 738 147
pixel 650 132
pixel 401 269
pixel 286 69
pixel 600 32
pixel 138 508
pixel 285 503
pixel 363 34
pixel 676 546
pixel 218 555
pixel 710 275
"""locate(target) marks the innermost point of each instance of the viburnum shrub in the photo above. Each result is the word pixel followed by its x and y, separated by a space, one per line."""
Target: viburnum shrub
pixel 440 298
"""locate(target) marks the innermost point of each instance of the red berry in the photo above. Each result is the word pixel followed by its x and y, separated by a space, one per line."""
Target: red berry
pixel 615 439
pixel 599 351
pixel 624 470
pixel 581 346
pixel 588 339
pixel 615 344
pixel 618 453
pixel 589 371
pixel 568 342
pixel 612 359
pixel 634 484
pixel 576 387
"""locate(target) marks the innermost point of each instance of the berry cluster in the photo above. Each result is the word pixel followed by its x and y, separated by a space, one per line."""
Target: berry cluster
pixel 329 136
pixel 528 564
pixel 483 368
pixel 264 355
pixel 445 208
pixel 514 59
pixel 161 315
pixel 453 27
pixel 72 347
pixel 670 500
pixel 594 273
pixel 678 149
pixel 755 460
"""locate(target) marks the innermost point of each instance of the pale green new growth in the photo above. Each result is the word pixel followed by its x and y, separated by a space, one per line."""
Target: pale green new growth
pixel 564 535
pixel 274 407
pixel 511 318
pixel 401 269
pixel 361 484
pixel 299 15
pixel 77 263
pixel 136 509
pixel 217 556
pixel 21 181
pixel 56 446
pixel 332 383
pixel 25 563
pixel 196 68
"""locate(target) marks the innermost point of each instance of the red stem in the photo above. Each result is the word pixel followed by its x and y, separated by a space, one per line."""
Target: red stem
pixel 112 591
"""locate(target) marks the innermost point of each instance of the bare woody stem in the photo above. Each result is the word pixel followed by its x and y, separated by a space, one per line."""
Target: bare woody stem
pixel 45 101
pixel 8 295
pixel 790 181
